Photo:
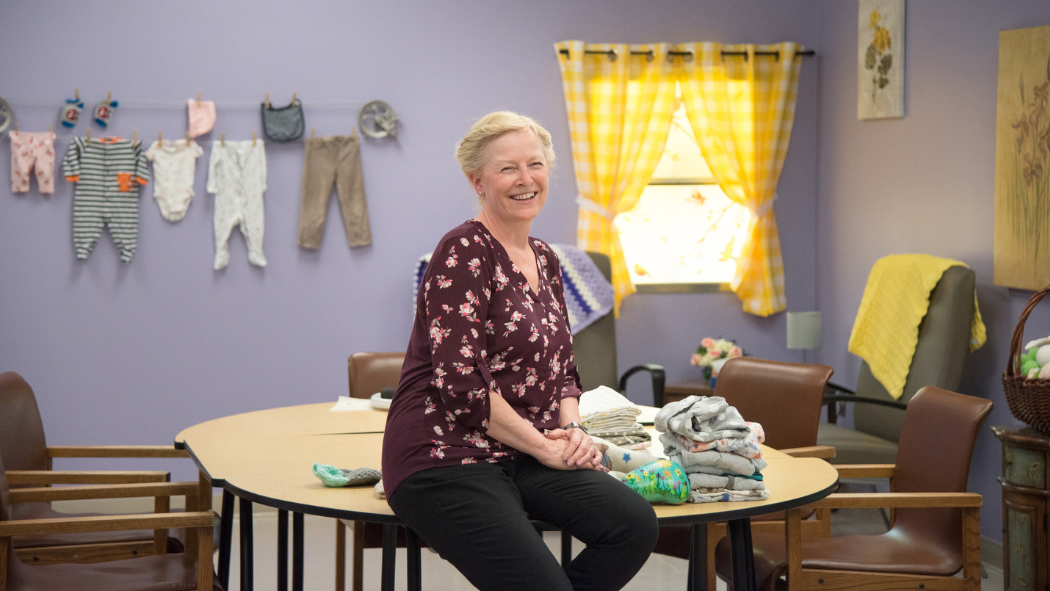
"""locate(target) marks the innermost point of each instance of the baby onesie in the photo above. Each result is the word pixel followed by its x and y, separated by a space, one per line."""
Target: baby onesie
pixel 237 178
pixel 108 173
pixel 28 149
pixel 174 164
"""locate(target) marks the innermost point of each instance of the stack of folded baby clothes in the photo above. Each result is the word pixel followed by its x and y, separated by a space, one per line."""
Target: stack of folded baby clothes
pixel 607 414
pixel 716 447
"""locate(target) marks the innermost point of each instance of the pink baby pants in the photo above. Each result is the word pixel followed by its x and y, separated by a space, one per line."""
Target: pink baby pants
pixel 28 149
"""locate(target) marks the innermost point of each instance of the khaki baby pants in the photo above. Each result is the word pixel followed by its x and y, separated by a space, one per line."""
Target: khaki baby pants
pixel 338 158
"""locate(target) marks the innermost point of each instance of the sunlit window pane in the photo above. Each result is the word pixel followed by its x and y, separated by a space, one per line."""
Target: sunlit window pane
pixel 684 230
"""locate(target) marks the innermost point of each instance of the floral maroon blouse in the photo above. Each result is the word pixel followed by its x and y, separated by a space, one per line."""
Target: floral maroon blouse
pixel 479 327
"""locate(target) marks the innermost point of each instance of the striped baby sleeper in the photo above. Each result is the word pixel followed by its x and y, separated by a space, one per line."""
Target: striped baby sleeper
pixel 108 173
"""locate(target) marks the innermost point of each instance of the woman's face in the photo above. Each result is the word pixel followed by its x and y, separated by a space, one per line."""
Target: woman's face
pixel 512 184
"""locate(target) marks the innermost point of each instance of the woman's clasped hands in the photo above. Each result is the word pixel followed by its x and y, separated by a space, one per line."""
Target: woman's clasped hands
pixel 577 450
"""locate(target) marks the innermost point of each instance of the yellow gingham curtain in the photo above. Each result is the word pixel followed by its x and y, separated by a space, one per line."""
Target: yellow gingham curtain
pixel 619 116
pixel 742 110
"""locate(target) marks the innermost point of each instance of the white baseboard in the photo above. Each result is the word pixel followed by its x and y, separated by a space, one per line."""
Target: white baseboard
pixel 991 553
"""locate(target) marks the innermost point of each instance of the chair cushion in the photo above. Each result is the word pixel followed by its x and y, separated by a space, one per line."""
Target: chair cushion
pixel 855 447
pixel 887 553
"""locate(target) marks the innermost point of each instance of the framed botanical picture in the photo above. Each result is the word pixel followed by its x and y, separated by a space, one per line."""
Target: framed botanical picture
pixel 880 59
pixel 1022 160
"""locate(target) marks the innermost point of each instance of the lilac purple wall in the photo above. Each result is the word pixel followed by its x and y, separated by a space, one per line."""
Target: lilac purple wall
pixel 924 183
pixel 134 354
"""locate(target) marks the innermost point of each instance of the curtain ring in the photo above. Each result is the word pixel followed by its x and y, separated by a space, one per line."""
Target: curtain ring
pixel 649 56
pixel 612 55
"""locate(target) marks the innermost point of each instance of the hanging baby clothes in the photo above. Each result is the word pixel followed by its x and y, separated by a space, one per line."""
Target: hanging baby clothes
pixel 334 158
pixel 174 165
pixel 29 150
pixel 108 173
pixel 237 178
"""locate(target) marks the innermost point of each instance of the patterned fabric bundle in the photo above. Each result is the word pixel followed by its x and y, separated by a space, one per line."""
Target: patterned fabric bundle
pixel 611 416
pixel 716 448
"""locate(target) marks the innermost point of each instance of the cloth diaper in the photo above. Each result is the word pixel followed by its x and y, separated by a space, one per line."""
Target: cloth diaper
pixel 662 481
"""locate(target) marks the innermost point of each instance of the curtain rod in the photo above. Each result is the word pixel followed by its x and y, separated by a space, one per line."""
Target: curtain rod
pixel 612 53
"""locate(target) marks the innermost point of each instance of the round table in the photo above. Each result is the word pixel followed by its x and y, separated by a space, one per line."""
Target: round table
pixel 267 457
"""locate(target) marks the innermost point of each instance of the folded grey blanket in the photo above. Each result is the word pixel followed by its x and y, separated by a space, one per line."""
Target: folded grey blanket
pixel 702 418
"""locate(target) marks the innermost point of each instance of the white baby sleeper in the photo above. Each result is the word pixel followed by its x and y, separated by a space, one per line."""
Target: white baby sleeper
pixel 237 178
pixel 174 165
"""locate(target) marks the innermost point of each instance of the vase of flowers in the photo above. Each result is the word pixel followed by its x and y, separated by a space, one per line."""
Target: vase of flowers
pixel 711 351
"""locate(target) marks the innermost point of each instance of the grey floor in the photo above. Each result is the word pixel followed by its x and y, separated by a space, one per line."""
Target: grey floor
pixel 660 572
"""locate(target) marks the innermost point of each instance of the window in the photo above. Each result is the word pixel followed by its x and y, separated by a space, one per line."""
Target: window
pixel 685 233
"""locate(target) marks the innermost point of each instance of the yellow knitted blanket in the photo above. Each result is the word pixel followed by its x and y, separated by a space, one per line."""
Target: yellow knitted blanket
pixel 895 301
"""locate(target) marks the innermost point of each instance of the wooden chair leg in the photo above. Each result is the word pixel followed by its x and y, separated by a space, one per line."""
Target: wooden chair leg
pixel 715 532
pixel 971 527
pixel 205 568
pixel 160 536
pixel 793 547
pixel 357 562
pixel 340 556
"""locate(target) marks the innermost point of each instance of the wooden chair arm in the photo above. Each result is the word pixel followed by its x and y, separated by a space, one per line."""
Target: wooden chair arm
pixel 919 500
pixel 115 451
pixel 865 470
pixel 124 491
pixel 76 525
pixel 84 477
pixel 824 452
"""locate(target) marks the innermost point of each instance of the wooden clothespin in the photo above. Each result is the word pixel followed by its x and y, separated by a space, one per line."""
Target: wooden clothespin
pixel 293 98
pixel 223 139
pixel 160 137
pixel 254 135
pixel 267 100
pixel 353 130
pixel 198 98
pixel 49 127
pixel 187 137
pixel 76 94
pixel 109 96
pixel 134 135
pixel 87 137
pixel 312 134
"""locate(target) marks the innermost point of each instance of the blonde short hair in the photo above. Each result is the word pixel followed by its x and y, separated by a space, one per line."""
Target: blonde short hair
pixel 471 149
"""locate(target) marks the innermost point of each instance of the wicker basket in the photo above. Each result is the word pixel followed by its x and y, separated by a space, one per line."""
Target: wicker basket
pixel 1029 400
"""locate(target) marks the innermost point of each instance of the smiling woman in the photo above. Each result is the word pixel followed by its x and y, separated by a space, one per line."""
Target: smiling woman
pixel 487 410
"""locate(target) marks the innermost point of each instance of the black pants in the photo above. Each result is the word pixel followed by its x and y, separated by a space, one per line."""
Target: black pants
pixel 477 517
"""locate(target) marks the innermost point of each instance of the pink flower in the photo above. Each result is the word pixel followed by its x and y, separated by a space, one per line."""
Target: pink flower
pixel 736 351
pixel 695 359
pixel 708 342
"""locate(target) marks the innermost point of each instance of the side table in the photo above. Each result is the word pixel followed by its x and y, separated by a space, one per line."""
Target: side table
pixel 1026 497
pixel 679 390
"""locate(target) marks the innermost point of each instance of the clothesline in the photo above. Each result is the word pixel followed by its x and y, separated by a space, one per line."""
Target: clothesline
pixel 32 102
pixel 612 53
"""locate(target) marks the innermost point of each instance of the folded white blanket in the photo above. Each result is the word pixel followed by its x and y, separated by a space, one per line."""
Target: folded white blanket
pixel 604 399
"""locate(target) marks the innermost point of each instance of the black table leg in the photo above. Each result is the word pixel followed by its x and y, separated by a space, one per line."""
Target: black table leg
pixel 697 558
pixel 282 550
pixel 389 556
pixel 415 563
pixel 225 538
pixel 247 566
pixel 566 548
pixel 298 554
pixel 743 556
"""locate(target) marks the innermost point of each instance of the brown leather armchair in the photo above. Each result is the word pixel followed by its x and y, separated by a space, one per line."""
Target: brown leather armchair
pixel 368 373
pixel 936 523
pixel 187 571
pixel 25 452
pixel 785 398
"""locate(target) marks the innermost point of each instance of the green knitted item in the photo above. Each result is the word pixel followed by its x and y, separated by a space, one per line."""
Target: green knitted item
pixel 662 481
pixel 337 477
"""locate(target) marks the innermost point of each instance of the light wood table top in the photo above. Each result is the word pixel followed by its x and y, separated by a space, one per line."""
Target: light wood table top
pixel 267 457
